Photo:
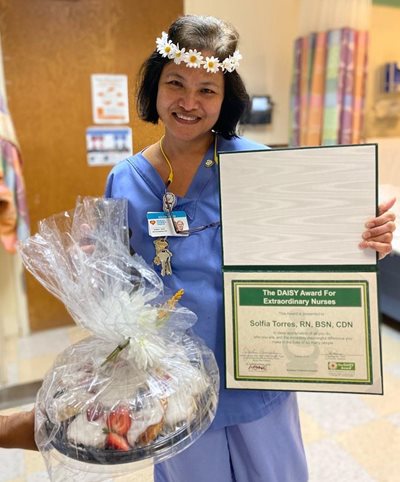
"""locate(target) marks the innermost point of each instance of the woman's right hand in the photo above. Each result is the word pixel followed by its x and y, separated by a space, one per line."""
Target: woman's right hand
pixel 17 431
pixel 86 242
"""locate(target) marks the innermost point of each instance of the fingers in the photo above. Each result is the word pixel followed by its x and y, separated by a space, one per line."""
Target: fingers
pixel 85 230
pixel 379 233
pixel 385 206
pixel 384 238
pixel 87 242
pixel 88 249
pixel 386 217
pixel 388 228
pixel 382 227
pixel 383 249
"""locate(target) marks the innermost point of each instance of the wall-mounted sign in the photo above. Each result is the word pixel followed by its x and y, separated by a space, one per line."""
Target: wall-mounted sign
pixel 110 99
pixel 108 145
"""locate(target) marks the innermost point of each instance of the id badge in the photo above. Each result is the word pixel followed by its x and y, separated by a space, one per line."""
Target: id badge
pixel 160 224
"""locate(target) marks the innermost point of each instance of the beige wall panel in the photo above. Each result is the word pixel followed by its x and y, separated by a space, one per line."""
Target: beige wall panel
pixel 384 47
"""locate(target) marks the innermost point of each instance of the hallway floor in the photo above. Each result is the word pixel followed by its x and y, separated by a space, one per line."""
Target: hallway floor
pixel 347 437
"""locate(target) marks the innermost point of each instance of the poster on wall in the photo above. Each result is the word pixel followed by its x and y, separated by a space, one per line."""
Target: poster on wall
pixel 108 145
pixel 110 99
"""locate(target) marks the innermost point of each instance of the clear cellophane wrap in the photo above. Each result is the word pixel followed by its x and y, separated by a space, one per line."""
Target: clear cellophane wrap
pixel 142 387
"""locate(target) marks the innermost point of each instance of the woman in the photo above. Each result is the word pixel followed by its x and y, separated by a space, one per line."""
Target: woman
pixel 200 110
pixel 191 84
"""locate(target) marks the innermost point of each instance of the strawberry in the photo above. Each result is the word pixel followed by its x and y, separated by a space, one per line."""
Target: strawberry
pixel 117 442
pixel 119 420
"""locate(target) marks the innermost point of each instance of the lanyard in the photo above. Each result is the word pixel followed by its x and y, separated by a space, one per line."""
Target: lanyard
pixel 171 171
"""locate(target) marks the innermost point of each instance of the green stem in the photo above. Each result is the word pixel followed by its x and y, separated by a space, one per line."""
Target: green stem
pixel 113 355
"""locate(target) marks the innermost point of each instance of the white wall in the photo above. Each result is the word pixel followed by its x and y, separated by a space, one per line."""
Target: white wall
pixel 267 29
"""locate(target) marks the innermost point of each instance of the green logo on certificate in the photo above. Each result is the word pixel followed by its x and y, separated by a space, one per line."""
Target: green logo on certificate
pixel 341 366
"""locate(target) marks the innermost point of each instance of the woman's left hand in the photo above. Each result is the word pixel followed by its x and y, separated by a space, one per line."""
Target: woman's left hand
pixel 379 233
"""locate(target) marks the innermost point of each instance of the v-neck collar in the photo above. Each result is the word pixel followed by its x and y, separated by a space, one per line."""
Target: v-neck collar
pixel 201 178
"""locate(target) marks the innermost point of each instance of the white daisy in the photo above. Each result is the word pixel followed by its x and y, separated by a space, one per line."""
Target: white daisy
pixel 164 46
pixel 211 64
pixel 172 51
pixel 231 63
pixel 161 41
pixel 227 65
pixel 193 58
pixel 236 58
pixel 179 55
pixel 166 49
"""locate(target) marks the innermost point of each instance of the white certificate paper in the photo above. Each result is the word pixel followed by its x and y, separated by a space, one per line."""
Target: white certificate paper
pixel 301 304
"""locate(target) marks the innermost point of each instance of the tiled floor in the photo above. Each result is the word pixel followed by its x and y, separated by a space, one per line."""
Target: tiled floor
pixel 347 437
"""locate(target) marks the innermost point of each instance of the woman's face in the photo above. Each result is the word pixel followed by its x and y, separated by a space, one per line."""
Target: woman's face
pixel 189 100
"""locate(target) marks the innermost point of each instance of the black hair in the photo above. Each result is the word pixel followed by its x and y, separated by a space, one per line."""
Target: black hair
pixel 201 33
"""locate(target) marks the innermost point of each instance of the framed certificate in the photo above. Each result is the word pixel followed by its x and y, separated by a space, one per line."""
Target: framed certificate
pixel 301 305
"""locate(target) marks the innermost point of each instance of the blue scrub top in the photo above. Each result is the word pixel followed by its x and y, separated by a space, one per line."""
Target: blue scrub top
pixel 196 261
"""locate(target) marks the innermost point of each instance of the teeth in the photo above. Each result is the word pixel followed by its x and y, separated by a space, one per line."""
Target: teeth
pixel 186 117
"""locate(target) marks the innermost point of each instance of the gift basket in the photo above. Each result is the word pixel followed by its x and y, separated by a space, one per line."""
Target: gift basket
pixel 141 387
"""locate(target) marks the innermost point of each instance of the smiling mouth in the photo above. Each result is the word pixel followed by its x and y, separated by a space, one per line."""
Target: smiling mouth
pixel 185 117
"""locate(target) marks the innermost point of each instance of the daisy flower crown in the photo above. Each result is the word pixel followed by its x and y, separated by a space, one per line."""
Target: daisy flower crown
pixel 194 59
